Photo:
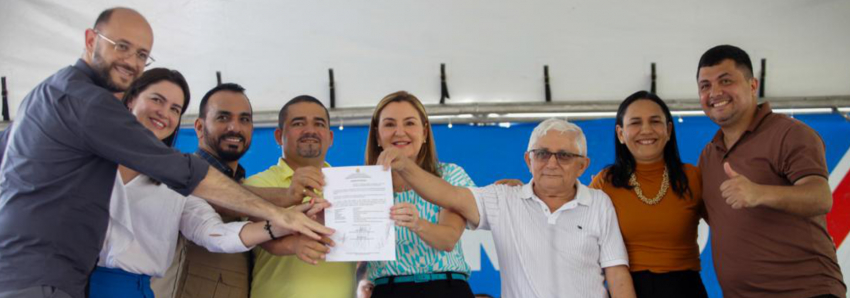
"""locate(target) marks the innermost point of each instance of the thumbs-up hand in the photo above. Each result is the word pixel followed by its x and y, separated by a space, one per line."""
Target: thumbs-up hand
pixel 739 191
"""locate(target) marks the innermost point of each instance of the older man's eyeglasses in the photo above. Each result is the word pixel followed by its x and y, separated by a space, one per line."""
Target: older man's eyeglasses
pixel 123 48
pixel 562 156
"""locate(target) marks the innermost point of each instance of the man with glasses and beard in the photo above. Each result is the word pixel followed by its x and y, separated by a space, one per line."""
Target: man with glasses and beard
pixel 60 157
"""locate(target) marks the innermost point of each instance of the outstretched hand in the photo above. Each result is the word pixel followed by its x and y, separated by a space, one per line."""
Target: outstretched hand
pixel 315 211
pixel 294 220
pixel 312 251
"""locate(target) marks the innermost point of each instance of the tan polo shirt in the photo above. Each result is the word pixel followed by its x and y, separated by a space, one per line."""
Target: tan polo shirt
pixel 764 252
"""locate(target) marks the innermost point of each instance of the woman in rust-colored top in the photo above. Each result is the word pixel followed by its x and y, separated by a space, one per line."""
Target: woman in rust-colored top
pixel 657 199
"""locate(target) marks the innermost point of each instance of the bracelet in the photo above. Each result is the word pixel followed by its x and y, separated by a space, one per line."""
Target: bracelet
pixel 268 228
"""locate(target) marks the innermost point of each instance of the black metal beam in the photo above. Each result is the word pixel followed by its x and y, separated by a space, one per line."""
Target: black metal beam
pixel 652 86
pixel 5 99
pixel 546 81
pixel 218 78
pixel 332 88
pixel 444 88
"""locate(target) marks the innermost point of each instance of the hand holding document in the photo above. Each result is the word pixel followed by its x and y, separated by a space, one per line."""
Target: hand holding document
pixel 361 198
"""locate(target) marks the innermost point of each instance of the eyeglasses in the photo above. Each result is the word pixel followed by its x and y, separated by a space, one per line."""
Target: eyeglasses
pixel 562 156
pixel 123 48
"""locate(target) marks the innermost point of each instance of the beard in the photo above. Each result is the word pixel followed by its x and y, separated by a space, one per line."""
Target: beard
pixel 101 69
pixel 226 152
pixel 309 150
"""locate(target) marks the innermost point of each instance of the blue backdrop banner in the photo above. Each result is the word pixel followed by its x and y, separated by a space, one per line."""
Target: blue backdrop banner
pixel 491 152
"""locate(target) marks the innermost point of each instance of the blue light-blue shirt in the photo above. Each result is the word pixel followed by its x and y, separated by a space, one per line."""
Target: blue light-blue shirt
pixel 413 255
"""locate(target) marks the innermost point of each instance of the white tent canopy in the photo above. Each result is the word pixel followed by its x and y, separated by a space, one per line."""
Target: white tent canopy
pixel 494 50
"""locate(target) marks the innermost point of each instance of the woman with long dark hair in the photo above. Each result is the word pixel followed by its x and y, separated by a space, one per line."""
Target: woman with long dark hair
pixel 657 198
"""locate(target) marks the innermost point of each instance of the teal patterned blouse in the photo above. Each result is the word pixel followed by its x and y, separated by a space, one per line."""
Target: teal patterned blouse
pixel 413 255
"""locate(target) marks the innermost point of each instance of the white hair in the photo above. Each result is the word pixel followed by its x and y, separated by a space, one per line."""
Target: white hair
pixel 562 126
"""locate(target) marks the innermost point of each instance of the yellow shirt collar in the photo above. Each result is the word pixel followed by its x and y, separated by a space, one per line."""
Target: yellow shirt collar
pixel 287 170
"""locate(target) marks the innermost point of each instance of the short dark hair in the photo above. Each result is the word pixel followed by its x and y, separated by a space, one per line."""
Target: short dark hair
pixel 718 54
pixel 281 116
pixel 153 76
pixel 103 17
pixel 233 87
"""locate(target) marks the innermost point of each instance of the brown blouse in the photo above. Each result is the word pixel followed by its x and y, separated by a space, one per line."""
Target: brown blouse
pixel 661 237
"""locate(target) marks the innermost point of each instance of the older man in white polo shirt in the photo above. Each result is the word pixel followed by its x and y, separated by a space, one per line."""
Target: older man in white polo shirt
pixel 554 236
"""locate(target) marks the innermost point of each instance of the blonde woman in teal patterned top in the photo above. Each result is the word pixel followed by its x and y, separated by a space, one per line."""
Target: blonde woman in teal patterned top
pixel 429 260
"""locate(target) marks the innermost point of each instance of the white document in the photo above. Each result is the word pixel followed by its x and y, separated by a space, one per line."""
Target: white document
pixel 361 198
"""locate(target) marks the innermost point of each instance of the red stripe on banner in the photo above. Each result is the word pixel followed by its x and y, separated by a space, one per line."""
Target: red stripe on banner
pixel 838 219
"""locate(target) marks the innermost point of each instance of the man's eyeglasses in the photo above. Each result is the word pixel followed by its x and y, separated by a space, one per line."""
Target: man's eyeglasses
pixel 124 48
pixel 562 156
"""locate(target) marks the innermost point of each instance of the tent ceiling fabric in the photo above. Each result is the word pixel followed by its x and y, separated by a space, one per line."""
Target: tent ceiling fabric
pixel 494 50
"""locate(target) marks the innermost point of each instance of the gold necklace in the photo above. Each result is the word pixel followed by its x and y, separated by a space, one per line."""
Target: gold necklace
pixel 665 183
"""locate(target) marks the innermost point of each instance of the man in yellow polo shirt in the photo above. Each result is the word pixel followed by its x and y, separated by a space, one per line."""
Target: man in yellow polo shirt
pixel 293 266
